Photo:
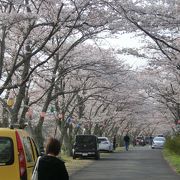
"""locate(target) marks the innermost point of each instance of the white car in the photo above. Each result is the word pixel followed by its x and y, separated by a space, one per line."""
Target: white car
pixel 105 144
pixel 158 142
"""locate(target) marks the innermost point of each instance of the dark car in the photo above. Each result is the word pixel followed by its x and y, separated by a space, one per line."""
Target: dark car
pixel 140 141
pixel 86 146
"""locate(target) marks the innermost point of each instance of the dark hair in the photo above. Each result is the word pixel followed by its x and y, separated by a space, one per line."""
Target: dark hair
pixel 53 146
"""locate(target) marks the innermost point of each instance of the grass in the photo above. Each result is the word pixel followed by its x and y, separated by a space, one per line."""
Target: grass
pixel 74 165
pixel 173 159
pixel 77 164
pixel 119 149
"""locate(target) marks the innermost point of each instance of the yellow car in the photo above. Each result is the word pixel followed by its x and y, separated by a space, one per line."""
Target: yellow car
pixel 18 154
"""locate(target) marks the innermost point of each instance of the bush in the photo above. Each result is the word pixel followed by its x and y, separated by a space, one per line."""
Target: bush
pixel 173 144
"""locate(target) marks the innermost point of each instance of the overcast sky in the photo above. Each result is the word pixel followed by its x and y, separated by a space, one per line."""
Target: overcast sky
pixel 125 41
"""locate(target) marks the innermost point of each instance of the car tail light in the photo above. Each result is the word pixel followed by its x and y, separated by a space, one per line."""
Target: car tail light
pixel 22 160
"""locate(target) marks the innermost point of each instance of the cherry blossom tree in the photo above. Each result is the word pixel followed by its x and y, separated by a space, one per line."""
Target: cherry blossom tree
pixel 33 33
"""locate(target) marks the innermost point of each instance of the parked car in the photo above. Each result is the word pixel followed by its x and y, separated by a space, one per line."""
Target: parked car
pixel 18 154
pixel 140 141
pixel 105 144
pixel 158 142
pixel 148 139
pixel 86 146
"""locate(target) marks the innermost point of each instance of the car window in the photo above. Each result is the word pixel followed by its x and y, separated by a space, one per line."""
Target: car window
pixel 159 139
pixel 85 139
pixel 35 150
pixel 139 138
pixel 28 149
pixel 102 139
pixel 6 151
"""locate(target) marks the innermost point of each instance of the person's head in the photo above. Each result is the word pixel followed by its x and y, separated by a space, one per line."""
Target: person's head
pixel 53 146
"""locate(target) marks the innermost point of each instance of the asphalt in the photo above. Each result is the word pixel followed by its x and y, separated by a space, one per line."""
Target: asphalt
pixel 139 163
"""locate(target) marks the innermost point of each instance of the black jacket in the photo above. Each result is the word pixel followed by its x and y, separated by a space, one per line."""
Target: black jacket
pixel 52 168
pixel 126 138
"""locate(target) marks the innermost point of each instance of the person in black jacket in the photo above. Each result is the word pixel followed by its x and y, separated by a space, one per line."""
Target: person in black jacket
pixel 50 166
pixel 126 141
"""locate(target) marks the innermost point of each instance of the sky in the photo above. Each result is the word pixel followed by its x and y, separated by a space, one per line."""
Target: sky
pixel 125 41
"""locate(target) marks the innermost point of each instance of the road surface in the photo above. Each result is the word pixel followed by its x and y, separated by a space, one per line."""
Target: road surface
pixel 139 163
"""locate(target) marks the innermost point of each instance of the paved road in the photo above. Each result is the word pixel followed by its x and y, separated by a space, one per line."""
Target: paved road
pixel 136 164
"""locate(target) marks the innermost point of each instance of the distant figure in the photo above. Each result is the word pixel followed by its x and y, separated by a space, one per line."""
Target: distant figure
pixel 114 143
pixel 50 166
pixel 151 140
pixel 126 141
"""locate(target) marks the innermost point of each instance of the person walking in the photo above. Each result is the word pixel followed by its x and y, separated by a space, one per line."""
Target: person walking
pixel 126 141
pixel 150 141
pixel 114 143
pixel 50 166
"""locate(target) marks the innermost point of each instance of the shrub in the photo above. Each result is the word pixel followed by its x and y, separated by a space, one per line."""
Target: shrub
pixel 173 144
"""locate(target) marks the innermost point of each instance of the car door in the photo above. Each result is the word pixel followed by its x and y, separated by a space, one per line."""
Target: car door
pixel 9 168
pixel 30 153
